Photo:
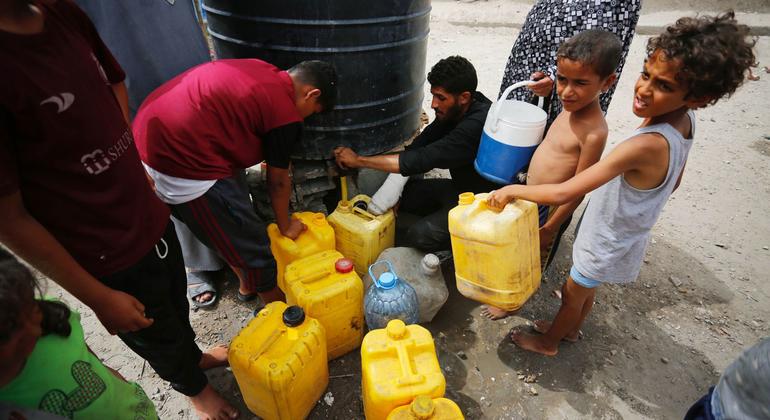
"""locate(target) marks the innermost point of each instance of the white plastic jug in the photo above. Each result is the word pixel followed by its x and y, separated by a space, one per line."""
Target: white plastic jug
pixel 512 132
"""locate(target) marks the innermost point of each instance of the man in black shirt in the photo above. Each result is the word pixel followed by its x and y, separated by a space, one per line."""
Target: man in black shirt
pixel 449 142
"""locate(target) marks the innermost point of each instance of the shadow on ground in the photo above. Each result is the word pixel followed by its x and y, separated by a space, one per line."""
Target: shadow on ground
pixel 625 354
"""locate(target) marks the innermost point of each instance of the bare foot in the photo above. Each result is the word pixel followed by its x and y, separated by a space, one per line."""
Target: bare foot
pixel 494 313
pixel 204 297
pixel 533 343
pixel 209 405
pixel 542 326
pixel 201 297
pixel 214 357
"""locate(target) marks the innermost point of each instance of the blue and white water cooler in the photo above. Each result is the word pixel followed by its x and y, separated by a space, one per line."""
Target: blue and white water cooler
pixel 512 132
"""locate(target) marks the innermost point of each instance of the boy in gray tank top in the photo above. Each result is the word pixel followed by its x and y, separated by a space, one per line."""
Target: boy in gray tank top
pixel 683 71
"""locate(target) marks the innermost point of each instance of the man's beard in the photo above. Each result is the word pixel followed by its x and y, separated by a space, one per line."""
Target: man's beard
pixel 452 114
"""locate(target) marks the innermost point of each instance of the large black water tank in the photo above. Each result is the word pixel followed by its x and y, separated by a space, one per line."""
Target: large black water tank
pixel 377 46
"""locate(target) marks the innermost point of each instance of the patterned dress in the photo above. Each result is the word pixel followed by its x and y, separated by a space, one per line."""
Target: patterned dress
pixel 550 22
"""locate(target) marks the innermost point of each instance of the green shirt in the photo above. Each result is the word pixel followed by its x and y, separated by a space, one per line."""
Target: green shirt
pixel 62 377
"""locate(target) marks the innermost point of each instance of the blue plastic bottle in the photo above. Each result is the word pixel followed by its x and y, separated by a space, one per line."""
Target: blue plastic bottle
pixel 389 298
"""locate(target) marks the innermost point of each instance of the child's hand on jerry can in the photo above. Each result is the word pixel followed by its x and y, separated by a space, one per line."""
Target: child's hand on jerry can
pixel 499 198
pixel 296 227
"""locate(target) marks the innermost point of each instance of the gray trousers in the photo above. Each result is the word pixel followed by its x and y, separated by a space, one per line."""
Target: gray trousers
pixel 197 256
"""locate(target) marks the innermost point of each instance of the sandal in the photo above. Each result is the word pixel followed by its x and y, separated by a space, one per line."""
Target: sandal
pixel 231 277
pixel 199 283
pixel 246 298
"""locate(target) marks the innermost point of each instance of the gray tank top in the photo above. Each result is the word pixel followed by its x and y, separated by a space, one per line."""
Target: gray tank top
pixel 618 219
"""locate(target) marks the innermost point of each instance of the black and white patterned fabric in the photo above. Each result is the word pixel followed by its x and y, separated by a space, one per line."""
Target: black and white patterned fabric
pixel 549 23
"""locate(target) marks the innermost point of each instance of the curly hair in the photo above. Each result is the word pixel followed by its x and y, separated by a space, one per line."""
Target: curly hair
pixel 454 74
pixel 599 49
pixel 715 53
pixel 17 292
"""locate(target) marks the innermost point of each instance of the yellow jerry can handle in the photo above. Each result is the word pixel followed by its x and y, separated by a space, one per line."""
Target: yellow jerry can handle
pixel 285 242
pixel 363 212
pixel 318 275
pixel 408 376
pixel 344 200
pixel 274 336
pixel 484 204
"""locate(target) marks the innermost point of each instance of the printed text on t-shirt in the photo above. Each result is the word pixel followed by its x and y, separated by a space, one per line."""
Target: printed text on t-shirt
pixel 99 160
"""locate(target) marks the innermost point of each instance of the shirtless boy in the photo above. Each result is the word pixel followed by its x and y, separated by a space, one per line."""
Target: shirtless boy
pixel 586 68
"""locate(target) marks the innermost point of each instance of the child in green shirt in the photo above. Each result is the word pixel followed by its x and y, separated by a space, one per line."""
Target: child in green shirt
pixel 45 362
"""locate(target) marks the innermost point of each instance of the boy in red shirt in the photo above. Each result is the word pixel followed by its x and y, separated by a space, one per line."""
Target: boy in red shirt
pixel 74 199
pixel 198 132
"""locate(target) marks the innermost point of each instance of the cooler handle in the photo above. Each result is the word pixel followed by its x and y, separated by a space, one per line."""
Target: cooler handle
pixel 504 97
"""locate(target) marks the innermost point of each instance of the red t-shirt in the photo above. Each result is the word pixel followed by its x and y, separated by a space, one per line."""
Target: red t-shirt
pixel 65 145
pixel 211 120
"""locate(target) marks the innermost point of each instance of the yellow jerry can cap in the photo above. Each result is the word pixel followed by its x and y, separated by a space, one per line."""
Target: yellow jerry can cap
pixel 466 198
pixel 319 219
pixel 343 265
pixel 422 407
pixel 396 329
pixel 293 316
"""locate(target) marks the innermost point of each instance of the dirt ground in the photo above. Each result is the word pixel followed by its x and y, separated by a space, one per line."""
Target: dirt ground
pixel 650 349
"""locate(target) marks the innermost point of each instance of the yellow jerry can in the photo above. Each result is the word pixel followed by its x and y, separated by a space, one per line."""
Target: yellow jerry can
pixel 279 361
pixel 328 289
pixel 398 363
pixel 361 236
pixel 425 408
pixel 496 252
pixel 318 237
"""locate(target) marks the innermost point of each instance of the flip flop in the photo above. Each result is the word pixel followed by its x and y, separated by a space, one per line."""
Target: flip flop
pixel 232 277
pixel 246 298
pixel 199 283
